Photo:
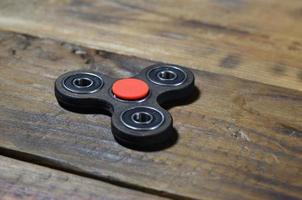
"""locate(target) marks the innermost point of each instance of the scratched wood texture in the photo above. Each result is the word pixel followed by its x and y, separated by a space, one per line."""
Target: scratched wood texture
pixel 237 139
pixel 21 180
pixel 252 39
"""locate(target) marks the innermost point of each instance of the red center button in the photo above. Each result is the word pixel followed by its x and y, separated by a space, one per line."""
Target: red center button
pixel 130 89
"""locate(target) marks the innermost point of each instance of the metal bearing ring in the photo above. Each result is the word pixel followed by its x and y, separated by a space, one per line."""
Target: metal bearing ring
pixel 83 83
pixel 168 75
pixel 142 118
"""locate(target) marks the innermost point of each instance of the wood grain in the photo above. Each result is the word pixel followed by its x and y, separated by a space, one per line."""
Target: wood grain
pixel 251 39
pixel 21 180
pixel 237 139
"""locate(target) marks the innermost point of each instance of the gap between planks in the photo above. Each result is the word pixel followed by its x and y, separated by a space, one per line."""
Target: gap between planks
pixel 58 165
pixel 23 180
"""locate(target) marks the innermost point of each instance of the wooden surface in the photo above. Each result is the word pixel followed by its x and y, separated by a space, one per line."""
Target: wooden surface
pixel 239 136
pixel 21 180
pixel 238 139
pixel 258 40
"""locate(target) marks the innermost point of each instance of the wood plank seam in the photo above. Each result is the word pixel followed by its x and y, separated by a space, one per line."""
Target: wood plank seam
pixel 58 165
pixel 23 180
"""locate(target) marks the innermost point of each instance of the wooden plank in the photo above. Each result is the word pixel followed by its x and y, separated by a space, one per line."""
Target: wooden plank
pixel 21 180
pixel 251 39
pixel 237 139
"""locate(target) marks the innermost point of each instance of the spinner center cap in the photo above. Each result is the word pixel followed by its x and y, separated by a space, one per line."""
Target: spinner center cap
pixel 130 89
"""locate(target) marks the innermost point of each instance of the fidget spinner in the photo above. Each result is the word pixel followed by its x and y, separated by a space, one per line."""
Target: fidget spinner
pixel 137 119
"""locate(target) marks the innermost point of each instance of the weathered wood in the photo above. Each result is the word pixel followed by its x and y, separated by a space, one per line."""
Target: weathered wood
pixel 237 139
pixel 251 39
pixel 21 180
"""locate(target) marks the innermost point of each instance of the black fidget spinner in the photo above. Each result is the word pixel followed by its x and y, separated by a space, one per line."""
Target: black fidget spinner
pixel 134 103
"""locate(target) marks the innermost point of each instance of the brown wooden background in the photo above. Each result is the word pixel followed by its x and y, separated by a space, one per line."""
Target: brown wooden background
pixel 239 137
